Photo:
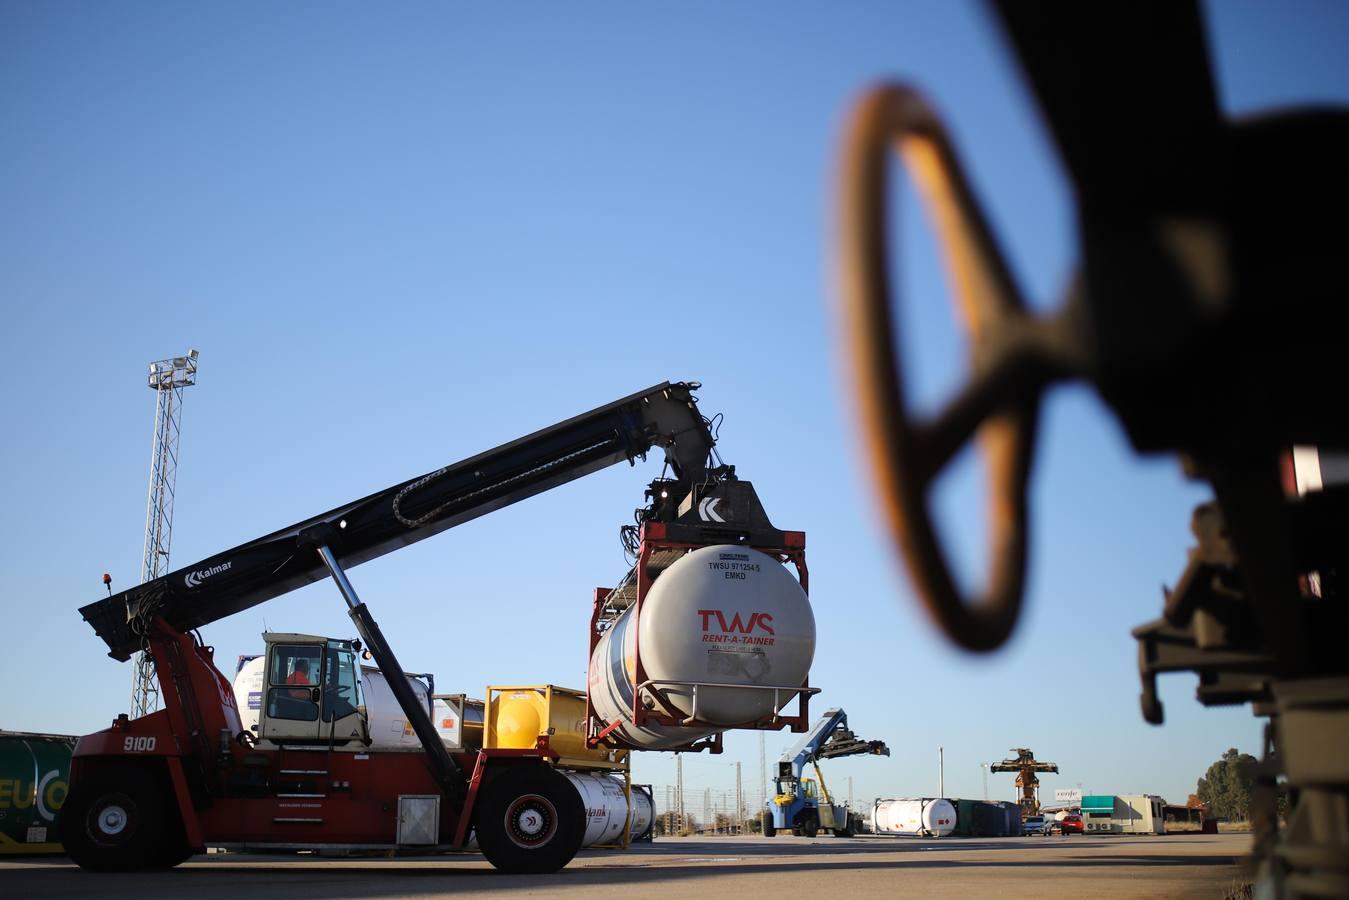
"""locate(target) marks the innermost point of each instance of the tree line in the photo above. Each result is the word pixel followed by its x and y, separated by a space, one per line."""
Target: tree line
pixel 1226 788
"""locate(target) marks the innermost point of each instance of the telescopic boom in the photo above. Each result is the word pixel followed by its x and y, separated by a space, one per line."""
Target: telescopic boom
pixel 664 416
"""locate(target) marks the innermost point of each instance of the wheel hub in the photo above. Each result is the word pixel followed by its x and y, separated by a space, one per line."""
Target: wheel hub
pixel 111 820
pixel 531 821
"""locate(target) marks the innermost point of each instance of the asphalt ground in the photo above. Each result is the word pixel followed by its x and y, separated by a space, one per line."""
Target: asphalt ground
pixel 1189 866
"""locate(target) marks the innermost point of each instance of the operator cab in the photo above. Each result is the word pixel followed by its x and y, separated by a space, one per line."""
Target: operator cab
pixel 311 691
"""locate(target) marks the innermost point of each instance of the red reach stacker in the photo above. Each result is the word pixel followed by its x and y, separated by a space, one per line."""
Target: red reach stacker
pixel 150 792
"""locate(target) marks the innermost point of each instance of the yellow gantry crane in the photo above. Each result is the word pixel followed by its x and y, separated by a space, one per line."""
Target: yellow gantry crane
pixel 1025 765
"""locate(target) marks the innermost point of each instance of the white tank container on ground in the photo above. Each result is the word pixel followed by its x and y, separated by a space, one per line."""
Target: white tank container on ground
pixel 606 809
pixel 602 796
pixel 925 817
pixel 389 728
pixel 722 615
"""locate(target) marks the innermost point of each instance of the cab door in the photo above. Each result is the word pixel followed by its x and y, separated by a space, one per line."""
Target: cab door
pixel 293 693
pixel 341 719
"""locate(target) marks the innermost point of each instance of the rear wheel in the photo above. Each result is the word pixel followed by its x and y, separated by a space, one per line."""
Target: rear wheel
pixel 810 826
pixel 529 819
pixel 171 852
pixel 768 828
pixel 119 820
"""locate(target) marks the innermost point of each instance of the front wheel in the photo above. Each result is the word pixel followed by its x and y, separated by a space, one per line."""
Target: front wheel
pixel 119 821
pixel 769 829
pixel 810 827
pixel 529 820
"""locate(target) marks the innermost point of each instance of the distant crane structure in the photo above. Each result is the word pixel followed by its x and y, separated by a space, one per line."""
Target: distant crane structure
pixel 1025 765
pixel 167 378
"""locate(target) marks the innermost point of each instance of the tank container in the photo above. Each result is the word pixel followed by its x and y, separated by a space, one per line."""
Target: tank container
pixel 730 619
pixel 925 816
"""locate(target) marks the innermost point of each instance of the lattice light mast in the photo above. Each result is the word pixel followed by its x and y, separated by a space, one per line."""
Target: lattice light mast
pixel 167 378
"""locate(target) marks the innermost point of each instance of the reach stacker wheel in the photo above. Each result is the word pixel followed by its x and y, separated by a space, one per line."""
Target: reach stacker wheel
pixel 118 820
pixel 529 820
pixel 768 828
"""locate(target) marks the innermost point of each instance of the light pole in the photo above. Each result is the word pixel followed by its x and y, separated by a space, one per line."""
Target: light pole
pixel 739 803
pixel 167 378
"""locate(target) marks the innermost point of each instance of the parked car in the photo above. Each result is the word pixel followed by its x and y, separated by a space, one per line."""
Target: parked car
pixel 1069 824
pixel 1033 825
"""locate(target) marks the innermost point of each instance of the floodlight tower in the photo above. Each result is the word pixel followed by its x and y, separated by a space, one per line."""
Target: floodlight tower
pixel 167 378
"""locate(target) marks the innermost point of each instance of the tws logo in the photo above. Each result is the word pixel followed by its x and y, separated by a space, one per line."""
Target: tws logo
pixel 760 620
pixel 195 578
pixel 737 630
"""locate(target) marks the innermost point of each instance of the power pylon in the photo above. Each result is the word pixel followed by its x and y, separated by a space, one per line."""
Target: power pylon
pixel 167 378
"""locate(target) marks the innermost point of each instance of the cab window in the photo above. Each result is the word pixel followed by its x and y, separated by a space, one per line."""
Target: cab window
pixel 341 689
pixel 292 677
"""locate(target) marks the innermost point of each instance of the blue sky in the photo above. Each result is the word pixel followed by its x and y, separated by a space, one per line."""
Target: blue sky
pixel 401 236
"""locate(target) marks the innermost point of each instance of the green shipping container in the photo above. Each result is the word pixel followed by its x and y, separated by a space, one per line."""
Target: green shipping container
pixel 987 818
pixel 34 781
pixel 964 818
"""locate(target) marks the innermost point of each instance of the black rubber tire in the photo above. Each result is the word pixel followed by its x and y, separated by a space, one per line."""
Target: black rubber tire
pixel 810 826
pixel 525 797
pixel 120 820
pixel 173 851
pixel 768 829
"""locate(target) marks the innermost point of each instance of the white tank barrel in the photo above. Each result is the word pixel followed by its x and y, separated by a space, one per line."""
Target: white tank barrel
pixel 926 817
pixel 389 727
pixel 607 810
pixel 722 615
pixel 602 796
